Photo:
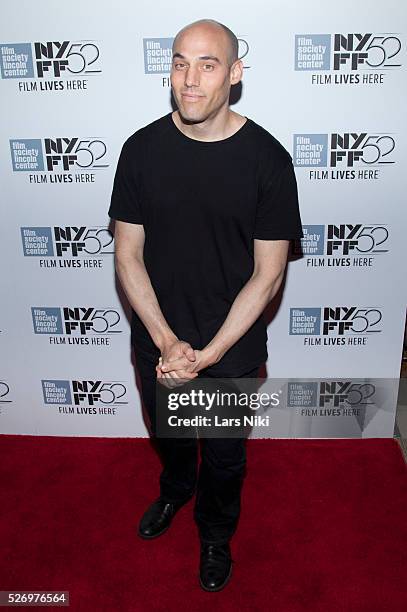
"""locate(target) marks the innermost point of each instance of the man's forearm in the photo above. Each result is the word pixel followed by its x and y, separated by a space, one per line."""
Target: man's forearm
pixel 245 310
pixel 141 295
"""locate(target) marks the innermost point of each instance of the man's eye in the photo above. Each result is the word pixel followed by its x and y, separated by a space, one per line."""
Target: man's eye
pixel 179 65
pixel 210 66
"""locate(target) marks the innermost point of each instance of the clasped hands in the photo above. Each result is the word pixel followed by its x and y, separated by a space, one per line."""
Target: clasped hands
pixel 179 363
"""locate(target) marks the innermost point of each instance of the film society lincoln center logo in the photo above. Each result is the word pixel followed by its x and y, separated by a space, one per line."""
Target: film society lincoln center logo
pixel 76 325
pixel 333 398
pixel 344 156
pixel 59 160
pixel 50 66
pixel 91 397
pixel 348 59
pixel 345 245
pixel 336 325
pixel 69 246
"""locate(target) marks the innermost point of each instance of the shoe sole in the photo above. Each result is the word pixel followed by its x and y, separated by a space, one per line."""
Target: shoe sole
pixel 219 588
pixel 156 535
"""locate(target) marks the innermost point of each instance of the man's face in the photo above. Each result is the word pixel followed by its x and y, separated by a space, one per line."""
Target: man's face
pixel 200 74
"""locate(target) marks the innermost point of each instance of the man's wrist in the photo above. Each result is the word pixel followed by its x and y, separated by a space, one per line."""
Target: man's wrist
pixel 212 353
pixel 166 340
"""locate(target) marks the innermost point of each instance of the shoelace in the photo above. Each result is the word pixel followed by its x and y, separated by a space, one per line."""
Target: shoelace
pixel 213 556
pixel 164 509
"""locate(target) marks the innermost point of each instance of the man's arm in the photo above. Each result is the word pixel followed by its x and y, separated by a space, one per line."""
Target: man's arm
pixel 270 259
pixel 131 270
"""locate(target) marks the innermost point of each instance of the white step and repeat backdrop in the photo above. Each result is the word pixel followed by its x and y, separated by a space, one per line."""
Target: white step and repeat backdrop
pixel 77 79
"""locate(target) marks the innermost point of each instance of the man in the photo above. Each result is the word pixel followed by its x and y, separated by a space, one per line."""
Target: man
pixel 205 203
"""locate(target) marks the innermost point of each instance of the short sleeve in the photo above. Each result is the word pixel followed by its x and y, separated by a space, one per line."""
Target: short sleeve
pixel 278 214
pixel 124 203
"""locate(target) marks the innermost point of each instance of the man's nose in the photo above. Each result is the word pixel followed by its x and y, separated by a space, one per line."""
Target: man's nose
pixel 192 77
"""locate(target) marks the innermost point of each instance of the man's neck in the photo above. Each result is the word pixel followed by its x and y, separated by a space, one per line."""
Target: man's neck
pixel 222 126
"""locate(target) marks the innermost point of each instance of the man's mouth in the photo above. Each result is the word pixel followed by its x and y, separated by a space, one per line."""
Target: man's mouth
pixel 191 96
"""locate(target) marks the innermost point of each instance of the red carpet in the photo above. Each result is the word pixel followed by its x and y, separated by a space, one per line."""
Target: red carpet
pixel 323 527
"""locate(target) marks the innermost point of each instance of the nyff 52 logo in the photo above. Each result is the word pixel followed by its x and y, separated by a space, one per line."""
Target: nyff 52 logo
pixel 67 241
pixel 75 320
pixel 345 393
pixel 347 52
pixel 346 149
pixel 57 154
pixel 330 393
pixel 51 59
pixel 343 239
pixel 338 320
pixel 89 392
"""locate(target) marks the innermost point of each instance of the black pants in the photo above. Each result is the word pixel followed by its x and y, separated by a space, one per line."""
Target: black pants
pixel 219 480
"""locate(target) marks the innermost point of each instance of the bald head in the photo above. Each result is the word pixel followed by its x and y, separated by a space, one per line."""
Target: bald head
pixel 210 24
pixel 205 65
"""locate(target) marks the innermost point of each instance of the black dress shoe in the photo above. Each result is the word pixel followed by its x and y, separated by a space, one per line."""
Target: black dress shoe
pixel 157 518
pixel 216 566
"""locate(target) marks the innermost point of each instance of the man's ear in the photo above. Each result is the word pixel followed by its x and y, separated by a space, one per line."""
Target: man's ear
pixel 236 72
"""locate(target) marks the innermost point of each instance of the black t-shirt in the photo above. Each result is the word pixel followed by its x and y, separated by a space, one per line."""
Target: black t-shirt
pixel 202 204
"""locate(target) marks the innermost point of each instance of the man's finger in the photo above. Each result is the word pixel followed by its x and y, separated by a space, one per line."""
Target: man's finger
pixel 182 379
pixel 171 382
pixel 176 364
pixel 163 381
pixel 190 353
